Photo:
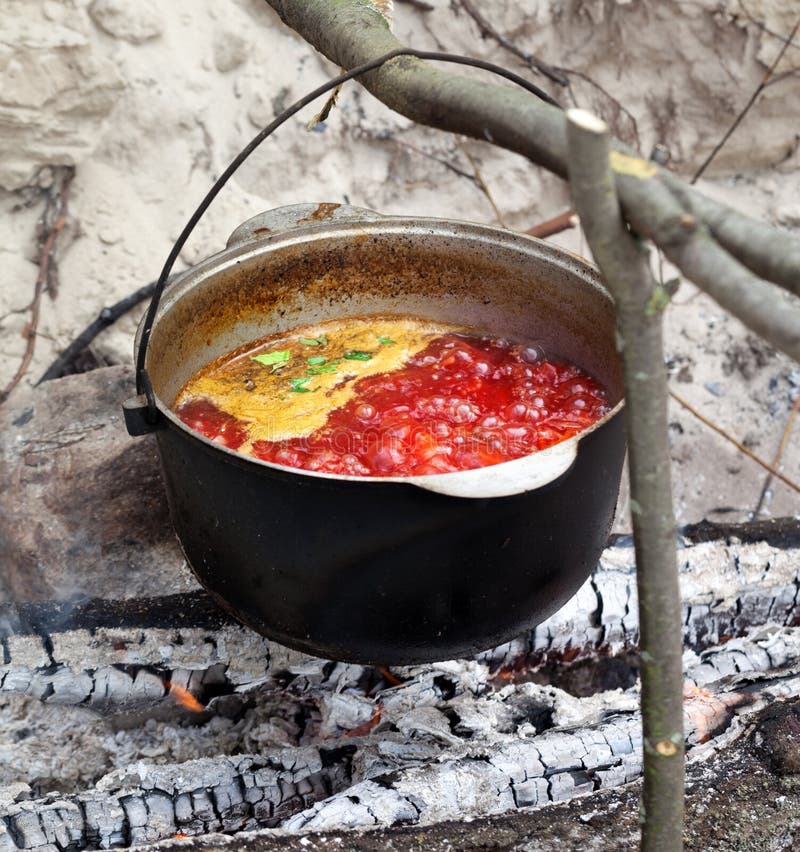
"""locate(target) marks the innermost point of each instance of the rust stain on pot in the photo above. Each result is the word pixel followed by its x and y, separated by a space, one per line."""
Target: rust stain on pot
pixel 442 279
pixel 262 230
pixel 323 212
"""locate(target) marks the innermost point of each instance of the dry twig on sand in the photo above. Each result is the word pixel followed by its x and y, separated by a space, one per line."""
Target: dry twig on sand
pixel 483 185
pixel 65 363
pixel 747 107
pixel 774 471
pixel 771 468
pixel 557 75
pixel 52 223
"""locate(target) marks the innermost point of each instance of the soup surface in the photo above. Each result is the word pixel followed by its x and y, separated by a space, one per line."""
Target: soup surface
pixel 389 396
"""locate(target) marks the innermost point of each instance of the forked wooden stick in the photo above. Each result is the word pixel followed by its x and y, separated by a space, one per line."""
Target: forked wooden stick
pixel 625 267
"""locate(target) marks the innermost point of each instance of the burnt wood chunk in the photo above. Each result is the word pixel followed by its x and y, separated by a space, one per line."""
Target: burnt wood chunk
pixel 780 728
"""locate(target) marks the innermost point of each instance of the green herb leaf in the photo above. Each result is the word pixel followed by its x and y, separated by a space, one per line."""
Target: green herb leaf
pixel 328 367
pixel 315 360
pixel 386 341
pixel 279 356
pixel 299 385
pixel 314 341
pixel 358 355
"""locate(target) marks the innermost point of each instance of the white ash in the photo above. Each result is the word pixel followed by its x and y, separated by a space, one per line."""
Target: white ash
pixel 120 664
pixel 726 588
pixel 144 803
pixel 447 743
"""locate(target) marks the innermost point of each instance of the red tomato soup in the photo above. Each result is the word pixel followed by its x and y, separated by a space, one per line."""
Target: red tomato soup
pixel 390 398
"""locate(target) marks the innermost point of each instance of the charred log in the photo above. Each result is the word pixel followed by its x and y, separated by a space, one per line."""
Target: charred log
pixel 445 743
pixel 147 803
pixel 75 657
pixel 734 800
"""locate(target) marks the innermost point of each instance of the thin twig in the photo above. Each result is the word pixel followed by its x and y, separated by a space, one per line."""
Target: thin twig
pixel 63 365
pixel 784 75
pixel 562 222
pixel 446 163
pixel 689 244
pixel 740 117
pixel 488 31
pixel 739 446
pixel 764 28
pixel 482 184
pixel 46 257
pixel 777 458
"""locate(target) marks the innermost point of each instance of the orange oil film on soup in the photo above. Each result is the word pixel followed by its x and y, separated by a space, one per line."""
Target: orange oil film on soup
pixel 389 396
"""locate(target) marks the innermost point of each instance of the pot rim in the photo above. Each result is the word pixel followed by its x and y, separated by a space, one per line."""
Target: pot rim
pixel 542 467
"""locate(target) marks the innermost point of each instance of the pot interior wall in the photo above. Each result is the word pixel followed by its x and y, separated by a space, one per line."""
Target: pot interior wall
pixel 498 282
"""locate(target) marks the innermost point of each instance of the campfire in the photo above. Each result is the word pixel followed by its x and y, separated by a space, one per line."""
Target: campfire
pixel 278 740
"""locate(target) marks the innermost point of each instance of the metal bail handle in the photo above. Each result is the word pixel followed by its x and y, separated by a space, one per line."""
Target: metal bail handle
pixel 141 412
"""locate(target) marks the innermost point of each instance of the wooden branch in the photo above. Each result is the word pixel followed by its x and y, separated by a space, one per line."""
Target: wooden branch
pixel 751 300
pixel 350 33
pixel 57 202
pixel 774 255
pixel 64 363
pixel 633 139
pixel 626 270
pixel 690 245
pixel 562 222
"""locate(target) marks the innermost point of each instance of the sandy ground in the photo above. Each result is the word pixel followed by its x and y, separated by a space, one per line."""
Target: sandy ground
pixel 150 101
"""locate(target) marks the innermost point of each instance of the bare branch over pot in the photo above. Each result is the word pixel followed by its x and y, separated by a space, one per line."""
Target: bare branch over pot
pixel 350 33
pixel 626 269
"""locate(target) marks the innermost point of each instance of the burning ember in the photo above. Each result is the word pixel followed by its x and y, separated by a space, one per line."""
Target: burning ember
pixel 366 727
pixel 707 713
pixel 184 698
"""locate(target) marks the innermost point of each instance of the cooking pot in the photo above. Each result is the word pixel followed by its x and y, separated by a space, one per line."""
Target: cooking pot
pixel 385 570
